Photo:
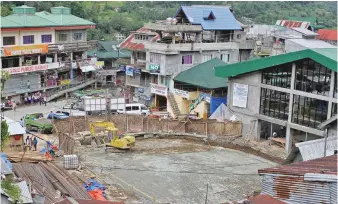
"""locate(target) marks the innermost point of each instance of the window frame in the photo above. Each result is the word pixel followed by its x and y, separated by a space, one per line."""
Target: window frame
pixel 189 60
pixel 32 38
pixel 77 33
pixel 3 40
pixel 45 35
pixel 225 54
pixel 62 34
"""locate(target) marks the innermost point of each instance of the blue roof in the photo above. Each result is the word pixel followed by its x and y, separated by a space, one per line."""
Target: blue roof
pixel 224 19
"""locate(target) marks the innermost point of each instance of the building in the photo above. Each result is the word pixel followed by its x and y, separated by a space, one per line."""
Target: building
pixel 16 136
pixel 195 35
pixel 310 23
pixel 48 49
pixel 290 94
pixel 327 35
pixel 313 181
pixel 293 45
pixel 197 90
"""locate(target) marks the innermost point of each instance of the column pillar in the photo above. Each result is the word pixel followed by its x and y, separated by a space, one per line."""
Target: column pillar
pixel 288 145
pixel 55 57
pixel 39 59
pixel 20 61
pixel 329 111
pixel 173 38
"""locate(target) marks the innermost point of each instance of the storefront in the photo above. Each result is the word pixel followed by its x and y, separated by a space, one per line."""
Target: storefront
pixel 160 96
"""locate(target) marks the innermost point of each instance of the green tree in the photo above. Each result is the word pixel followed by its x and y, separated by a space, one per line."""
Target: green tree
pixel 12 190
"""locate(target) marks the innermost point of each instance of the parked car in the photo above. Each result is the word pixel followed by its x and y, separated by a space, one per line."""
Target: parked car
pixel 135 109
pixel 57 116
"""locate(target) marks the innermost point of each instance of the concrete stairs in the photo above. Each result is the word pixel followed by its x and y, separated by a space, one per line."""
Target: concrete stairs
pixel 70 88
pixel 174 107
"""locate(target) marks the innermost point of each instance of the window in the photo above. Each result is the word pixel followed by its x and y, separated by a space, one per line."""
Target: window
pixel 309 111
pixel 278 76
pixel 335 85
pixel 46 38
pixel 28 39
pixel 144 108
pixel 312 77
pixel 77 36
pixel 62 37
pixel 274 104
pixel 334 109
pixel 225 57
pixel 239 36
pixel 187 59
pixel 128 108
pixel 135 108
pixel 155 57
pixel 10 40
pixel 206 58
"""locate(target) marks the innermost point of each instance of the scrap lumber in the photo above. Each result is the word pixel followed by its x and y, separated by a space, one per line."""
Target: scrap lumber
pixel 28 156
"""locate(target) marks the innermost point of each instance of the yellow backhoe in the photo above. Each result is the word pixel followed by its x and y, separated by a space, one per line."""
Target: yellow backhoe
pixel 116 141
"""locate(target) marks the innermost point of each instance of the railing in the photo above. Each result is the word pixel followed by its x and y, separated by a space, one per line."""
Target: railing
pixel 190 46
pixel 175 28
pixel 79 46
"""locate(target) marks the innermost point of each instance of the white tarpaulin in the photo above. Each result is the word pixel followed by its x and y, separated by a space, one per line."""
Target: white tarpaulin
pixel 314 149
pixel 223 113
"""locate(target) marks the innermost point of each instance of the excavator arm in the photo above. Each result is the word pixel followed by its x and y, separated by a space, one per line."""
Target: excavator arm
pixel 93 125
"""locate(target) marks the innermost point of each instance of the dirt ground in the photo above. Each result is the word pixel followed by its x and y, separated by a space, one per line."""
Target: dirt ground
pixel 175 171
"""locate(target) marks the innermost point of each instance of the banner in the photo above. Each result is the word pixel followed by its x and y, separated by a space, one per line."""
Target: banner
pixel 99 64
pixel 25 69
pixel 24 50
pixel 154 68
pixel 65 82
pixel 182 93
pixel 159 90
pixel 123 68
pixel 240 95
pixel 129 71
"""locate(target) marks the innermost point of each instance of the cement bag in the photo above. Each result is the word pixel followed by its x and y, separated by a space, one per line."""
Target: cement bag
pixel 70 162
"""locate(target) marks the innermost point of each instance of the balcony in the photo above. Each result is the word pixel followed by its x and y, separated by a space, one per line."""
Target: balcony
pixel 174 28
pixel 74 46
pixel 176 48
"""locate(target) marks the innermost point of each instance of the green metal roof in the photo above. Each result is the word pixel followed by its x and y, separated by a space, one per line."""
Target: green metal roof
pixel 324 56
pixel 203 75
pixel 41 19
pixel 106 51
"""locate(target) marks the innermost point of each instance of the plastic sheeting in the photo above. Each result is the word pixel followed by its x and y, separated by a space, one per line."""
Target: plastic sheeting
pixel 216 102
pixel 223 113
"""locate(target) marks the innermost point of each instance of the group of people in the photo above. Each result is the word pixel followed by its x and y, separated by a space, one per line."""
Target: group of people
pixel 36 98
pixel 31 143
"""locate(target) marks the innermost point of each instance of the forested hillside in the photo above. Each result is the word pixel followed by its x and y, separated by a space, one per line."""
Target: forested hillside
pixel 124 17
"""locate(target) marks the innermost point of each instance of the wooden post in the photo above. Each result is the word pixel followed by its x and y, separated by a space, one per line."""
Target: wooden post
pixel 206 128
pixel 127 122
pixel 148 125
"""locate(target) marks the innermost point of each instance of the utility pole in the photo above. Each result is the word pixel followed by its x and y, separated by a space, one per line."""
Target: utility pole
pixel 206 195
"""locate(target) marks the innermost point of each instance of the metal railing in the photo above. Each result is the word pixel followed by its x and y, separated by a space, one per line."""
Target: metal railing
pixel 86 45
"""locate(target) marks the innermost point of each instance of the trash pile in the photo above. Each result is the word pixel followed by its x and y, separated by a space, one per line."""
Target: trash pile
pixel 95 189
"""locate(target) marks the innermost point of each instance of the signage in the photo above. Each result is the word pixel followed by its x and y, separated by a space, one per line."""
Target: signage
pixel 202 97
pixel 158 89
pixel 137 70
pixel 136 99
pixel 56 65
pixel 154 68
pixel 74 65
pixel 49 60
pixel 65 82
pixel 144 97
pixel 25 69
pixel 99 64
pixel 24 50
pixel 205 97
pixel 129 71
pixel 123 68
pixel 107 72
pixel 139 90
pixel 182 93
pixel 240 95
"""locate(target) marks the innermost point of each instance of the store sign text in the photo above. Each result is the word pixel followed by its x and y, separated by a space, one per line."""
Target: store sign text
pixel 24 50
pixel 159 90
pixel 182 93
pixel 25 69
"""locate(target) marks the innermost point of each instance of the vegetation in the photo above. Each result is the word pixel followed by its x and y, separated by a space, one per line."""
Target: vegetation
pixel 12 190
pixel 112 17
pixel 4 133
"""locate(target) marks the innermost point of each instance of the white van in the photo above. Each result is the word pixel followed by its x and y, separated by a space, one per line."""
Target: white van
pixel 135 109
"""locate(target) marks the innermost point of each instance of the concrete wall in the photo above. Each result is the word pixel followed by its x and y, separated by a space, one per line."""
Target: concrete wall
pixel 332 131
pixel 247 115
pixel 70 36
pixel 19 36
pixel 293 47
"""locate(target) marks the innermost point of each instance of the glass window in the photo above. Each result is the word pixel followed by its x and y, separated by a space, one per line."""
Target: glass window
pixel 62 37
pixel 225 57
pixel 128 108
pixel 28 39
pixel 335 85
pixel 135 108
pixel 334 109
pixel 77 36
pixel 274 104
pixel 312 77
pixel 206 58
pixel 309 111
pixel 278 75
pixel 144 108
pixel 46 38
pixel 9 40
pixel 187 59
pixel 155 57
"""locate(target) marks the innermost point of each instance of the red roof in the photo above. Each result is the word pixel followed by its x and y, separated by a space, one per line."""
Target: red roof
pixel 128 44
pixel 325 34
pixel 325 165
pixel 264 199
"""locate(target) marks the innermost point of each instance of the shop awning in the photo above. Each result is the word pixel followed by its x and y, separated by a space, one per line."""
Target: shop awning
pixel 88 68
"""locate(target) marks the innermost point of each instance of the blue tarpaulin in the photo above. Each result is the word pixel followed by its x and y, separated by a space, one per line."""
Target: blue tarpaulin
pixel 9 164
pixel 92 184
pixel 215 102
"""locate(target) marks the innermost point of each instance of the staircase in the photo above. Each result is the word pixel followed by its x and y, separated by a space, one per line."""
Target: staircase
pixel 70 88
pixel 174 106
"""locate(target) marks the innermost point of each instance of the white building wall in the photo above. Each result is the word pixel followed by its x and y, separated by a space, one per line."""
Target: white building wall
pixel 37 36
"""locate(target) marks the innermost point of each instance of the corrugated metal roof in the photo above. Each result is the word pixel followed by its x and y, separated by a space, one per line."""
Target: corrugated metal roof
pixel 312 43
pixel 14 127
pixel 305 31
pixel 203 75
pixel 26 196
pixel 325 165
pixel 129 45
pixel 324 56
pixel 106 51
pixel 328 122
pixel 264 199
pixel 315 149
pixel 326 34
pixel 224 19
pixel 42 19
pixel 4 168
pixel 293 189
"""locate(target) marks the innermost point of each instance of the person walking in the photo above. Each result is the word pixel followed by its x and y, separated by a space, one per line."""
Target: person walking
pixel 35 143
pixel 28 143
pixel 14 106
pixel 31 142
pixel 45 100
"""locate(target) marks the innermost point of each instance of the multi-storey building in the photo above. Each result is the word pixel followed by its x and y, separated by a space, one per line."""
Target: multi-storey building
pixel 290 94
pixel 44 50
pixel 195 35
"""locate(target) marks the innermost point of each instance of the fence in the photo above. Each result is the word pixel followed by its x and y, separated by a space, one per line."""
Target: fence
pixel 135 124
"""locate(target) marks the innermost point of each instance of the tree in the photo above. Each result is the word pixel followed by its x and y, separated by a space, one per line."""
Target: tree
pixel 4 127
